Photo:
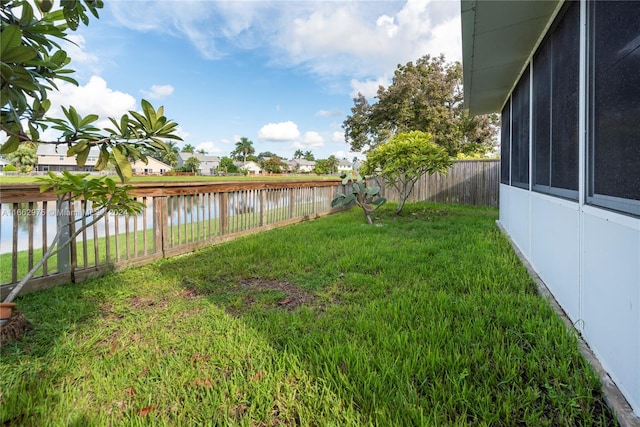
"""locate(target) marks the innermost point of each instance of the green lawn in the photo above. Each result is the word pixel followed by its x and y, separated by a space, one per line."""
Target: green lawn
pixel 424 319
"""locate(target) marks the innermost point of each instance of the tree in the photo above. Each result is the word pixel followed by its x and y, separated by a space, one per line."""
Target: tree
pixel 404 159
pixel 170 159
pixel 32 63
pixel 188 148
pixel 308 155
pixel 322 167
pixel 298 154
pixel 24 156
pixel 425 96
pixel 100 195
pixel 201 151
pixel 265 155
pixel 333 163
pixel 227 166
pixel 244 147
pixel 192 164
pixel 272 165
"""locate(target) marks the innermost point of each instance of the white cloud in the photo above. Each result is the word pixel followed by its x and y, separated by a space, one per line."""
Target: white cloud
pixel 337 137
pixel 93 98
pixel 158 91
pixel 210 148
pixel 363 40
pixel 369 88
pixel 327 113
pixel 283 131
pixel 310 140
pixel 181 133
pixel 76 50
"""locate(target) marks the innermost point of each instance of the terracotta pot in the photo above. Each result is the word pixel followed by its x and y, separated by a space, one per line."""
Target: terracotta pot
pixel 5 309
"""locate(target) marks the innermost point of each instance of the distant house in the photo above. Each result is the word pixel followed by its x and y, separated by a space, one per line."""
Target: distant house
pixel 208 164
pixel 55 159
pixel 566 77
pixel 344 165
pixel 252 167
pixel 152 167
pixel 301 165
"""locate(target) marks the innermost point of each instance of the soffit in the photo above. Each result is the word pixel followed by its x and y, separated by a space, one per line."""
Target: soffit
pixel 497 39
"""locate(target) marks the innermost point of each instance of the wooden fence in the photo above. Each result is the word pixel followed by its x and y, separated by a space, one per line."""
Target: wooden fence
pixel 178 218
pixel 468 182
pixel 182 217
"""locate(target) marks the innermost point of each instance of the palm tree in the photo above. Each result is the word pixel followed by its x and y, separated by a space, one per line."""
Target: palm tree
pixel 188 149
pixel 298 154
pixel 244 147
pixel 201 151
pixel 308 155
pixel 172 146
pixel 332 162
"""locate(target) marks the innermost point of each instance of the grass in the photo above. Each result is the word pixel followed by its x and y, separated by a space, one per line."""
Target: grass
pixel 423 319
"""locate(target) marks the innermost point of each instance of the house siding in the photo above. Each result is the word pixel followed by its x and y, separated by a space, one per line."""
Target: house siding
pixel 584 246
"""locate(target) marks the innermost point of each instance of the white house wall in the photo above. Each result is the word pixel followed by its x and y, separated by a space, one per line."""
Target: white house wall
pixel 610 296
pixel 555 235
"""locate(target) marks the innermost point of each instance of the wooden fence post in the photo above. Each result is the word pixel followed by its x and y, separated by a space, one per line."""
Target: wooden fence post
pixel 224 213
pixel 160 227
pixel 263 206
pixel 292 202
pixel 63 217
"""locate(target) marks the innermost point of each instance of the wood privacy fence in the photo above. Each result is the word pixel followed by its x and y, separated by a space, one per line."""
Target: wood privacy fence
pixel 468 182
pixel 181 217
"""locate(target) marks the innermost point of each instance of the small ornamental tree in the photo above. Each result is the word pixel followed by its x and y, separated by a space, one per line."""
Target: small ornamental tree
pixel 32 63
pixel 362 194
pixel 100 196
pixel 405 158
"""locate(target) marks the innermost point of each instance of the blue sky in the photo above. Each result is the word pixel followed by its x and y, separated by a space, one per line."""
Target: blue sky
pixel 280 73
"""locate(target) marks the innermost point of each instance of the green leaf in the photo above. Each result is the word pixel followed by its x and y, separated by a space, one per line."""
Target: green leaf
pixel 82 156
pixel 77 148
pixel 10 145
pixel 11 37
pixel 123 167
pixel 337 201
pixel 19 54
pixel 27 14
pixel 103 158
pixel 88 119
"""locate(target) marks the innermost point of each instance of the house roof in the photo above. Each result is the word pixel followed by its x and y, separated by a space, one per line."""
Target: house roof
pixel 498 38
pixel 201 157
pixel 60 150
pixel 303 162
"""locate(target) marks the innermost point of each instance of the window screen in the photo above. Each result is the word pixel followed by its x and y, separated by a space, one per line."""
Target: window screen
pixel 505 143
pixel 555 107
pixel 614 105
pixel 520 133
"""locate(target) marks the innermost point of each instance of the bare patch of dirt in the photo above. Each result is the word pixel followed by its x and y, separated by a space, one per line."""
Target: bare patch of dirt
pixel 15 328
pixel 140 302
pixel 294 296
